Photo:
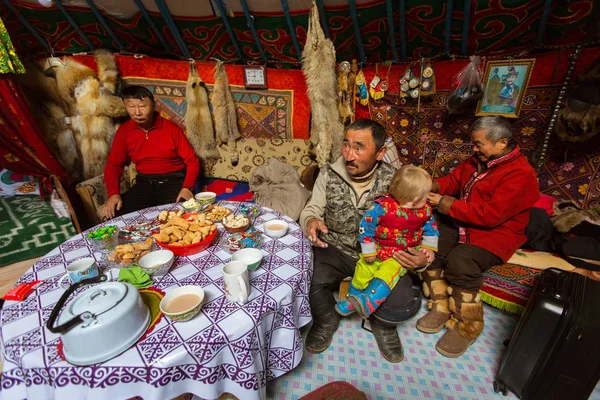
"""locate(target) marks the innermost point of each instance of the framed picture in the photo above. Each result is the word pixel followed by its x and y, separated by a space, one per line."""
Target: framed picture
pixel 505 82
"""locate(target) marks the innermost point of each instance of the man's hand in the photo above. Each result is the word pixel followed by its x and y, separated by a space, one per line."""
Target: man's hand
pixel 184 194
pixel 411 258
pixel 313 227
pixel 114 202
pixel 369 259
pixel 429 254
pixel 434 198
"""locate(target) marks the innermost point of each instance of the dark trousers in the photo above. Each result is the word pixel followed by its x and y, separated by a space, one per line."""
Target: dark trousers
pixel 152 190
pixel 463 264
pixel 331 266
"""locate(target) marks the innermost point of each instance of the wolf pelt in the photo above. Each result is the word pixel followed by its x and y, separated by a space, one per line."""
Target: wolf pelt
pixel 318 64
pixel 198 121
pixel 44 100
pixel 225 116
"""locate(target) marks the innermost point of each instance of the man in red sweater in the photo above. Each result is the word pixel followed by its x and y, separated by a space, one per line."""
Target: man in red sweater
pixel 166 163
pixel 483 209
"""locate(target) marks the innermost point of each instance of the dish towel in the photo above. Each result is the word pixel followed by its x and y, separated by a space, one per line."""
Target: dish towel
pixel 136 276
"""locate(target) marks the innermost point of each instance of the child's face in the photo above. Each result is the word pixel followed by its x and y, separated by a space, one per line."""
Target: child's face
pixel 416 203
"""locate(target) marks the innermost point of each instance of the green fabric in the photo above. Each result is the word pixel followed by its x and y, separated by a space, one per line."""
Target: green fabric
pixel 135 276
pixel 9 62
pixel 29 228
pixel 501 304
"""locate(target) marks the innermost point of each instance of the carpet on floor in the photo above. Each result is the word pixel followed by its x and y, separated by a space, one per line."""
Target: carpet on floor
pixel 353 357
pixel 29 228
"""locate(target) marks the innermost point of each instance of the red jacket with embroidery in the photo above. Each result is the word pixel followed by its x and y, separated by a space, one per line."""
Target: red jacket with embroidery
pixel 163 149
pixel 492 208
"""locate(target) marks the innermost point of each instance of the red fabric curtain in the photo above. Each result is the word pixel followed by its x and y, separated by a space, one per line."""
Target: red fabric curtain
pixel 22 147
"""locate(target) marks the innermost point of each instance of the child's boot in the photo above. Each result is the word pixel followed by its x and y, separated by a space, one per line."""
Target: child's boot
pixel 344 307
pixel 367 302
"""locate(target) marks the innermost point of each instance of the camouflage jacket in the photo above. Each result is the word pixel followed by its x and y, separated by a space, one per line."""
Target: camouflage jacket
pixel 335 201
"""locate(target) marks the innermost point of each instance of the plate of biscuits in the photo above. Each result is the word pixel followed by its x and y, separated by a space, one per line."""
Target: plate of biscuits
pixel 216 213
pixel 186 234
pixel 130 253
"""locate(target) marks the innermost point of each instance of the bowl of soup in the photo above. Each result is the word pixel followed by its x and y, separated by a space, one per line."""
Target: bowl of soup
pixel 183 303
pixel 275 228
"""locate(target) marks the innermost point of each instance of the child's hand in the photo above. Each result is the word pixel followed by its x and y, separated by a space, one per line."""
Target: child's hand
pixel 369 259
pixel 429 254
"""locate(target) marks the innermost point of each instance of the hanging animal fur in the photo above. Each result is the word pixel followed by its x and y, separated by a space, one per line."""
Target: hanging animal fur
pixel 45 102
pixel 225 117
pixel 318 64
pixel 580 119
pixel 93 107
pixel 198 121
pixel 345 94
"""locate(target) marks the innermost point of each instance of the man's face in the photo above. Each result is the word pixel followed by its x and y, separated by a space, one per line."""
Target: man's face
pixel 484 148
pixel 359 152
pixel 140 111
pixel 510 79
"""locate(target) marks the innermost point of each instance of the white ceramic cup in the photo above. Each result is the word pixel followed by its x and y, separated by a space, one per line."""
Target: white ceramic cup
pixel 237 281
pixel 84 268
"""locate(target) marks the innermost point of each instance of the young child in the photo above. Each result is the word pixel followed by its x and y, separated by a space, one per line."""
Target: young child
pixel 396 221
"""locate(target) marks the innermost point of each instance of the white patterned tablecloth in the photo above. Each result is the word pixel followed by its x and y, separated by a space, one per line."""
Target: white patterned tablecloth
pixel 228 347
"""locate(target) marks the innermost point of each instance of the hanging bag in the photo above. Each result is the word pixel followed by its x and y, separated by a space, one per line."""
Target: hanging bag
pixel 466 88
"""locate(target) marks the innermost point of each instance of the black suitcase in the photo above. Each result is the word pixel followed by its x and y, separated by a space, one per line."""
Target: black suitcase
pixel 554 352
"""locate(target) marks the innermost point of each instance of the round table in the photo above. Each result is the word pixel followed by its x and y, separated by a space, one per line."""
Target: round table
pixel 228 347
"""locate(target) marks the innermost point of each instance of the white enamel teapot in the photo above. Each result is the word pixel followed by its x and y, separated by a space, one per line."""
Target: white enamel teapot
pixel 101 322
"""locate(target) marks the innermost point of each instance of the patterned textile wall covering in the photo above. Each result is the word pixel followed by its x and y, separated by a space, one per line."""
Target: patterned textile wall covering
pixel 272 122
pixel 497 27
pixel 570 172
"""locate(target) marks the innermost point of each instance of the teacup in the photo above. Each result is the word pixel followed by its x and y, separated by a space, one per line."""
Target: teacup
pixel 84 268
pixel 236 281
pixel 183 303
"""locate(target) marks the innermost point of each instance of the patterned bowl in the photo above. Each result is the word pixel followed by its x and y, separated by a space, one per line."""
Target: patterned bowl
pixel 206 198
pixel 157 263
pixel 183 303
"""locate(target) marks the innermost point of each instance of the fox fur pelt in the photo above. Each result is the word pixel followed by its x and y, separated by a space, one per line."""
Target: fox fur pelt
pixel 225 116
pixel 198 121
pixel 318 64
pixel 92 107
pixel 45 102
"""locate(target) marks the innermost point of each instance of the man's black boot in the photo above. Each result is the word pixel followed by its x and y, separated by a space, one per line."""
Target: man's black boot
pixel 388 340
pixel 325 320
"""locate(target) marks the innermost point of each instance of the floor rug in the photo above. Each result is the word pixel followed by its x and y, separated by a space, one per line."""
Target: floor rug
pixel 29 228
pixel 353 357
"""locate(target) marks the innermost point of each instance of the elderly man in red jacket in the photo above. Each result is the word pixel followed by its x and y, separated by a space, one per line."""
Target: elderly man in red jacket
pixel 483 209
pixel 165 160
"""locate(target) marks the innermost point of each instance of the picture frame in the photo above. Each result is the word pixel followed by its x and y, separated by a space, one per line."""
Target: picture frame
pixel 505 83
pixel 255 77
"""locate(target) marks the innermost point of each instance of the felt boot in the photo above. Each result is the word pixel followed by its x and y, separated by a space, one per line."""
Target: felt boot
pixel 436 288
pixel 344 307
pixel 388 341
pixel 369 299
pixel 465 325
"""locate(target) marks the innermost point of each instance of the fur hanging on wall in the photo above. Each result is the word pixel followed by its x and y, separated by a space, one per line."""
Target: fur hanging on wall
pixel 92 106
pixel 580 119
pixel 46 103
pixel 318 64
pixel 198 121
pixel 225 116
pixel 346 79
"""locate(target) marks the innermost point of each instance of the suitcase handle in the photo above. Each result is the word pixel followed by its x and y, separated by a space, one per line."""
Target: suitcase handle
pixel 559 285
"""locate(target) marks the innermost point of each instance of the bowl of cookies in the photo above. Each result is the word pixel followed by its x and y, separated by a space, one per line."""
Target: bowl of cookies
pixel 186 234
pixel 238 223
pixel 216 213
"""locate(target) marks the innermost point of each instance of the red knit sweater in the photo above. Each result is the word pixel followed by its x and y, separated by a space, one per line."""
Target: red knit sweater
pixel 163 149
pixel 492 208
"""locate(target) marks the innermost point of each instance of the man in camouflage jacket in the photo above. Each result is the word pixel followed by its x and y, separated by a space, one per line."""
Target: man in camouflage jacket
pixel 342 193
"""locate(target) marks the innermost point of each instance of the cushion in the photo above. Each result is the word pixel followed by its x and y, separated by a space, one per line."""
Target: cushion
pixel 508 286
pixel 391 154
